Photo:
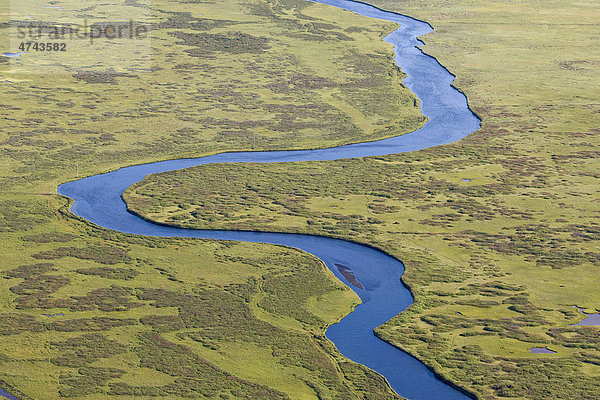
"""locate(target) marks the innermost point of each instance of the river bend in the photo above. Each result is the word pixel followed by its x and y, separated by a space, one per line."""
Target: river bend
pixel 98 200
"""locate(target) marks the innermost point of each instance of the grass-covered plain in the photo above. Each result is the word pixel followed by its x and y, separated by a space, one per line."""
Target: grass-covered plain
pixel 244 75
pixel 91 314
pixel 499 231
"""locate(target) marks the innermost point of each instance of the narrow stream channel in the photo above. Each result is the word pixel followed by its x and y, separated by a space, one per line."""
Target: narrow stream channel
pixel 98 200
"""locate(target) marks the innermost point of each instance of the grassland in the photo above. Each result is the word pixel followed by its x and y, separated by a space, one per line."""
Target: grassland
pixel 499 232
pixel 90 314
pixel 245 75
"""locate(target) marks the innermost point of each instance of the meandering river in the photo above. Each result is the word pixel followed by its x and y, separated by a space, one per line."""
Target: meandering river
pixel 98 199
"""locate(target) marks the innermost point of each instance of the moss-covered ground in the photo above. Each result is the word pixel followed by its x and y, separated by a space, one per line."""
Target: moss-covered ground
pixel 499 231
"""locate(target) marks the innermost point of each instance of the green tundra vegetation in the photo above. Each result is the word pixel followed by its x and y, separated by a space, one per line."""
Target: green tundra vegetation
pixel 499 231
pixel 92 314
pixel 246 74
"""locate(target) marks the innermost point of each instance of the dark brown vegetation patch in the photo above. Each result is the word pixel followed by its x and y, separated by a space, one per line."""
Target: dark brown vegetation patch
pixel 234 43
pixel 100 254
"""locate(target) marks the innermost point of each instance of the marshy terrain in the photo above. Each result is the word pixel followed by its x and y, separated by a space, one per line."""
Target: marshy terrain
pixel 498 232
pixel 89 313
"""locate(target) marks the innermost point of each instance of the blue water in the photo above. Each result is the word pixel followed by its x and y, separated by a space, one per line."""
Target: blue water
pixel 13 55
pixel 98 199
pixel 7 395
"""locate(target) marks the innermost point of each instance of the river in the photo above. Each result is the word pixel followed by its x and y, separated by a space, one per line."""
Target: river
pixel 98 200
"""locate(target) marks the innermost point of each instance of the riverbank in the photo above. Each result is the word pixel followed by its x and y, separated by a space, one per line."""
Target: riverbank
pixel 473 221
pixel 98 199
pixel 55 264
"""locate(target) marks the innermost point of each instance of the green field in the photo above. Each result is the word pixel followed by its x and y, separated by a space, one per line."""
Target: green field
pixel 148 318
pixel 89 313
pixel 499 231
pixel 245 75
